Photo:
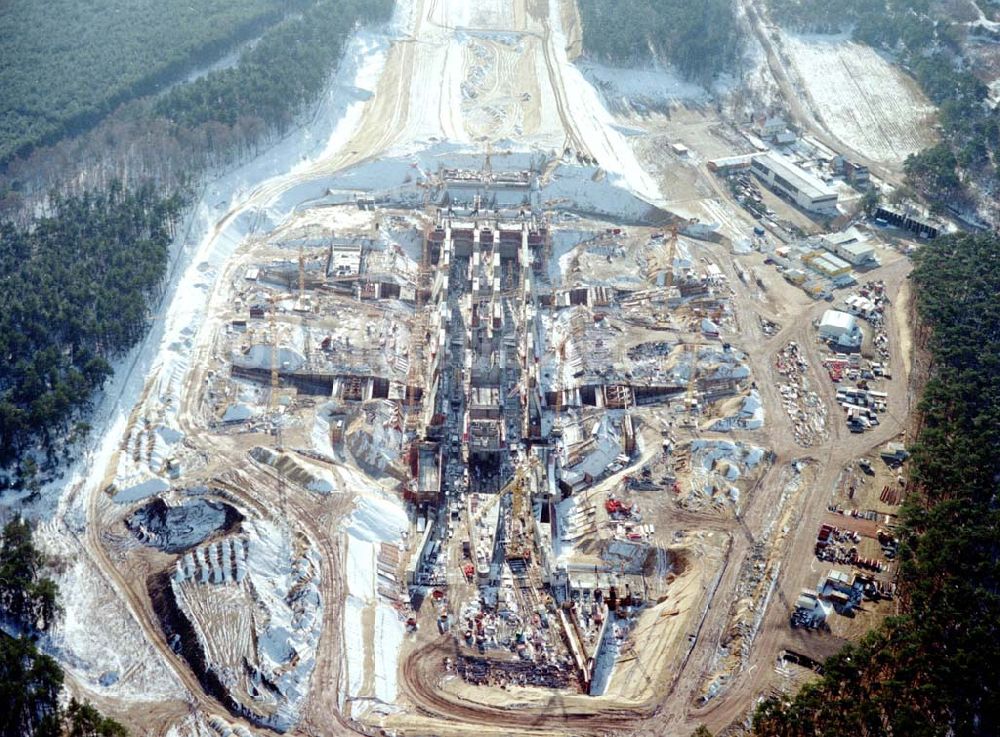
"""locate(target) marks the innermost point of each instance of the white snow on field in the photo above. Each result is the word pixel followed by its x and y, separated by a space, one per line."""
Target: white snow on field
pixel 129 670
pixel 191 726
pixel 375 520
pixel 319 437
pixel 641 87
pixel 592 191
pixel 861 98
pixel 353 649
pixel 433 111
pixel 389 632
pixel 360 569
pixel 289 594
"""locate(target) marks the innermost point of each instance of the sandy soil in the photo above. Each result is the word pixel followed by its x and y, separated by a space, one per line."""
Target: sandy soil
pixel 901 318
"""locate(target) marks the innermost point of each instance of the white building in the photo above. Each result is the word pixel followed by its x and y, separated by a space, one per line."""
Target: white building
pixel 857 253
pixel 804 188
pixel 841 329
pixel 850 246
pixel 771 126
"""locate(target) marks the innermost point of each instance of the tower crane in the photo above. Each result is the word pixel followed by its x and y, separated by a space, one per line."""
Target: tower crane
pixel 275 375
pixel 561 352
pixel 692 349
pixel 671 254
pixel 520 514
pixel 273 399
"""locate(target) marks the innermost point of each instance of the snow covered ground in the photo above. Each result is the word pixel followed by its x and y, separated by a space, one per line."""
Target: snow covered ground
pixel 861 98
pixel 376 520
pixel 639 89
pixel 595 124
pixel 716 466
pixel 255 602
pixel 97 641
pixel 749 415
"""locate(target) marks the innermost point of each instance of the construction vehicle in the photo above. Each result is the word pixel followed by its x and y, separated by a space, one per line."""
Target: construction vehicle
pixel 617 509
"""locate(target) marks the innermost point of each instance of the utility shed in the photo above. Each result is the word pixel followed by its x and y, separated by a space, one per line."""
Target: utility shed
pixel 840 328
pixel 850 246
pixel 729 164
pixel 838 581
pixel 857 253
pixel 827 264
pixel 894 452
pixel 806 601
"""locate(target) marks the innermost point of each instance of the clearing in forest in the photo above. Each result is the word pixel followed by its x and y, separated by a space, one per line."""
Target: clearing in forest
pixel 861 98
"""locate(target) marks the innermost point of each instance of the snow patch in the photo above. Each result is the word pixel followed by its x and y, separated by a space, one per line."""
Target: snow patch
pixel 863 99
pixel 641 88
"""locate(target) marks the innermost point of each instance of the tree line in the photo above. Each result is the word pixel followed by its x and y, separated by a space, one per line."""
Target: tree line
pixel 221 118
pixel 933 670
pixel 279 75
pixel 701 39
pixel 78 284
pixel 31 682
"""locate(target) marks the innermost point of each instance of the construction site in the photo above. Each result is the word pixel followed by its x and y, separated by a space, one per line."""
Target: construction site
pixel 524 416
pixel 491 418
pixel 555 435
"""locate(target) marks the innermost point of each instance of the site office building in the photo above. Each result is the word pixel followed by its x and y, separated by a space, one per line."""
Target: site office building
pixel 804 188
